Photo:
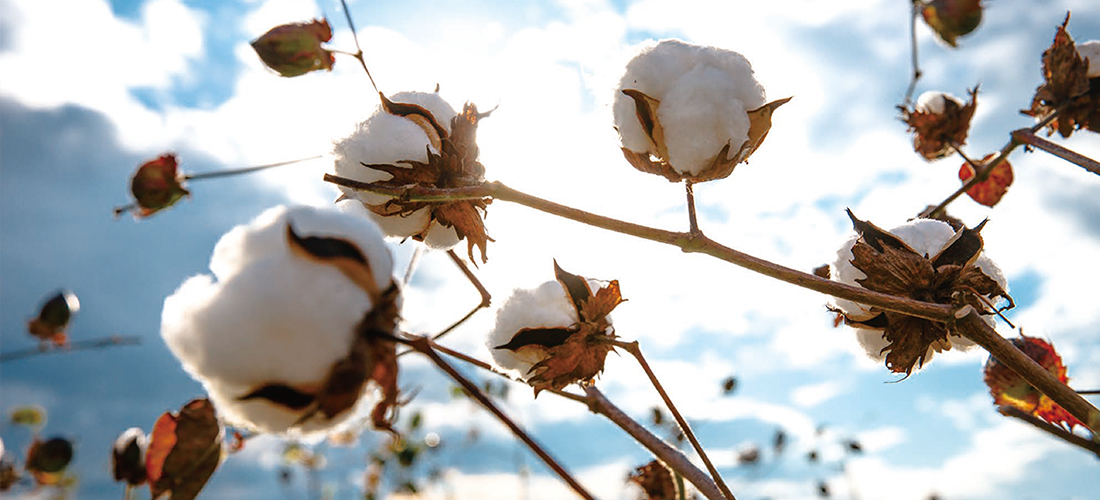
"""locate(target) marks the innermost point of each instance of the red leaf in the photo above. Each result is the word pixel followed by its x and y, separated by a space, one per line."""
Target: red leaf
pixel 184 451
pixel 1010 389
pixel 989 191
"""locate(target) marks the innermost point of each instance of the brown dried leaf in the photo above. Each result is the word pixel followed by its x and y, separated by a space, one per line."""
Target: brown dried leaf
pixel 184 451
pixel 596 308
pixel 655 480
pixel 962 249
pixel 576 288
pixel 910 338
pixel 465 217
pixel 1066 87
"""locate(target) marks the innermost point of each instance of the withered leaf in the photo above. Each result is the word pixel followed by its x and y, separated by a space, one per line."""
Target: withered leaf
pixel 597 307
pixel 935 133
pixel 875 236
pixel 1066 88
pixel 466 219
pixel 990 191
pixel 184 451
pixel 1010 389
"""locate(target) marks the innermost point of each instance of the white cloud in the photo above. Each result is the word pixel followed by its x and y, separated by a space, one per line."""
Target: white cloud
pixel 810 395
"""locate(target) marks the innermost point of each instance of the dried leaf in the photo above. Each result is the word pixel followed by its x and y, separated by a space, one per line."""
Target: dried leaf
pixel 1010 389
pixel 934 133
pixel 295 49
pixel 576 288
pixel 655 480
pixel 184 451
pixel 962 249
pixel 1066 88
pixel 990 191
pixel 157 185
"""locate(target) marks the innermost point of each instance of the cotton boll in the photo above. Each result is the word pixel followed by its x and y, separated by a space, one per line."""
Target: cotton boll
pixel 703 94
pixel 385 138
pixel 925 236
pixel 935 102
pixel 1091 50
pixel 546 306
pixel 268 315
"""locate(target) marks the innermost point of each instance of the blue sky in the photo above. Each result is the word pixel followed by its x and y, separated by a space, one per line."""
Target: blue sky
pixel 91 89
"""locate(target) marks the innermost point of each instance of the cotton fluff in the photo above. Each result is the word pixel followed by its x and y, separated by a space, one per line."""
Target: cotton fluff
pixel 935 102
pixel 546 306
pixel 270 316
pixel 1091 50
pixel 926 237
pixel 387 138
pixel 705 94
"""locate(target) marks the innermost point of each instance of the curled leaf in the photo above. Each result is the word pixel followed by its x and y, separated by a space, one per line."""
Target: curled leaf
pixel 295 49
pixel 184 451
pixel 1010 389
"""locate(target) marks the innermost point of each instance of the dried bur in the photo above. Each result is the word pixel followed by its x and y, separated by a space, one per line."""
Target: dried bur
pixel 570 353
pixel 373 353
pixel 52 322
pixel 940 122
pixel 1010 389
pixel 951 277
pixel 1067 88
pixel 655 480
pixel 455 165
pixel 295 49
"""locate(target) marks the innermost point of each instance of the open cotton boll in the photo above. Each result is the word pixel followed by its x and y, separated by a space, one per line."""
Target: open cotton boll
pixel 1091 50
pixel 925 236
pixel 704 95
pixel 546 306
pixel 270 316
pixel 385 138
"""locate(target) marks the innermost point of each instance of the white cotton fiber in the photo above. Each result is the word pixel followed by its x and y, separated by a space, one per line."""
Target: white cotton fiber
pixel 927 237
pixel 388 139
pixel 546 306
pixel 935 102
pixel 704 93
pixel 1091 50
pixel 269 316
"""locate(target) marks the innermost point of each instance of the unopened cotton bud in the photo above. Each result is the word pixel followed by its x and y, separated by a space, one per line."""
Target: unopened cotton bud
pixel 295 49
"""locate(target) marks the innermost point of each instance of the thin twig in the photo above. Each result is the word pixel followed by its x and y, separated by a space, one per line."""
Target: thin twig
pixel 486 299
pixel 634 349
pixel 973 327
pixel 358 50
pixel 1054 430
pixel 687 242
pixel 1089 392
pixel 413 261
pixel 913 50
pixel 246 170
pixel 691 243
pixel 671 457
pixel 693 223
pixel 80 345
pixel 486 366
pixel 1028 137
pixel 423 345
pixel 981 175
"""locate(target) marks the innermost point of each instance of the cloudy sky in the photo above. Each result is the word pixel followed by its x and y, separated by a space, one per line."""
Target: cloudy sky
pixel 92 88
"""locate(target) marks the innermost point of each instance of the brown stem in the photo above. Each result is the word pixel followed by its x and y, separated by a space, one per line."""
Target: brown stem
pixel 690 243
pixel 983 174
pixel 358 50
pixel 672 457
pixel 423 345
pixel 82 345
pixel 693 223
pixel 600 405
pixel 485 297
pixel 916 4
pixel 1054 430
pixel 246 170
pixel 1028 137
pixel 1089 392
pixel 973 327
pixel 636 351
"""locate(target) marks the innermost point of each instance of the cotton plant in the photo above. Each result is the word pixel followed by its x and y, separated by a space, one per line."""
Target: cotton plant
pixel 417 139
pixel 924 259
pixel 940 122
pixel 289 331
pixel 556 334
pixel 690 112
